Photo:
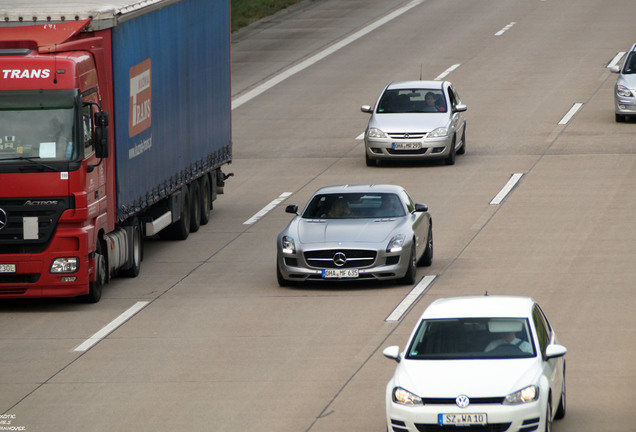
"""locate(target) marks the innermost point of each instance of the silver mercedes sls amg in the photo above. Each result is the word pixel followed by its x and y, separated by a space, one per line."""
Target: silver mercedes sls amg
pixel 355 232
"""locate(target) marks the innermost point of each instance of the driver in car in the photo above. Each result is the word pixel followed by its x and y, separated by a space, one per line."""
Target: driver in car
pixel 511 339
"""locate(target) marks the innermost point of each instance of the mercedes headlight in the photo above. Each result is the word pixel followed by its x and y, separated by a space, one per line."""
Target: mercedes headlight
pixel 288 245
pixel 396 243
pixel 64 265
pixel 623 91
pixel 405 397
pixel 525 395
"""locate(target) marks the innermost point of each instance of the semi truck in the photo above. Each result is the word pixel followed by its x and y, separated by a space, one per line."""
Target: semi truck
pixel 115 125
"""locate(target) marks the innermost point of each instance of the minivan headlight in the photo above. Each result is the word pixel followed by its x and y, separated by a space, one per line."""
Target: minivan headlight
pixel 375 133
pixel 438 133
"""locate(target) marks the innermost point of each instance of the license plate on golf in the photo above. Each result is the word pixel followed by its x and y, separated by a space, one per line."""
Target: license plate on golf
pixel 7 268
pixel 407 146
pixel 339 273
pixel 462 419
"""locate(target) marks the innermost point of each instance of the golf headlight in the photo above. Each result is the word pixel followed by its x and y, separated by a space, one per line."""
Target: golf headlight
pixel 623 91
pixel 375 133
pixel 396 243
pixel 525 395
pixel 405 397
pixel 288 245
pixel 64 265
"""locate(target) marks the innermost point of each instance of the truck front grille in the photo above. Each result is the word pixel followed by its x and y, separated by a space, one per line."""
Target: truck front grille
pixel 17 213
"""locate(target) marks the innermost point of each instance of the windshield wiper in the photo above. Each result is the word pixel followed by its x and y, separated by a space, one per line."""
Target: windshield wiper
pixel 32 160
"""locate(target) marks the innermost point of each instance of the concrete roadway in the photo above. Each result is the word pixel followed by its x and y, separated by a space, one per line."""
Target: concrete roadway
pixel 218 346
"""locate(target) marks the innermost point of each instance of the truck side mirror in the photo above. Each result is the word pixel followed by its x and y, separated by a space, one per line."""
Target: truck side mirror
pixel 101 134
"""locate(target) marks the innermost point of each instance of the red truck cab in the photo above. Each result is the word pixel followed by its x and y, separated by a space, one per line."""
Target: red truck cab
pixel 57 196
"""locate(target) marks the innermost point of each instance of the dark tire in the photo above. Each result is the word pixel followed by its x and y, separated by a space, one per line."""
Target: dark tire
pixel 95 288
pixel 370 162
pixel 181 228
pixel 282 282
pixel 206 199
pixel 548 417
pixel 137 252
pixel 427 258
pixel 411 273
pixel 462 149
pixel 560 412
pixel 620 118
pixel 195 206
pixel 450 159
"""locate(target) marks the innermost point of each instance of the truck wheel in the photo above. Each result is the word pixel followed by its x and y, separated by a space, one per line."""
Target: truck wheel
pixel 195 206
pixel 136 251
pixel 181 228
pixel 95 288
pixel 206 199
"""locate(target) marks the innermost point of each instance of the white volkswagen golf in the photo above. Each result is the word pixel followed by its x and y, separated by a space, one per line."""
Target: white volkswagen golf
pixel 489 363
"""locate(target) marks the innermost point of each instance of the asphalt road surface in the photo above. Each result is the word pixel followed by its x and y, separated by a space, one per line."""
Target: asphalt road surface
pixel 206 339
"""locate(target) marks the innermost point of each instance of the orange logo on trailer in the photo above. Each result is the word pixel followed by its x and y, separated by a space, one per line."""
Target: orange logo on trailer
pixel 139 117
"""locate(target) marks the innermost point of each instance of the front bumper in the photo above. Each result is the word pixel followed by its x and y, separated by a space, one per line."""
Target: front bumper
pixel 625 105
pixel 511 418
pixel 385 266
pixel 431 148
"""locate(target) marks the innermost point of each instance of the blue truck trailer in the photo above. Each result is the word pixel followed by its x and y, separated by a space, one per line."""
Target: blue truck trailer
pixel 115 124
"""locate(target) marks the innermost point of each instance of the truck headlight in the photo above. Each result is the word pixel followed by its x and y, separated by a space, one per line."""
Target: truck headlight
pixel 288 246
pixel 64 265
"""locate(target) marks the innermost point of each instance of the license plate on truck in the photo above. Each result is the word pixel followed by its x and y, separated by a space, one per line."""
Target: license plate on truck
pixel 7 268
pixel 339 273
pixel 462 419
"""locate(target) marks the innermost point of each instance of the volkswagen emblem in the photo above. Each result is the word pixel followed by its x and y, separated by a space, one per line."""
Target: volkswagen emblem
pixel 4 219
pixel 407 136
pixel 462 401
pixel 339 259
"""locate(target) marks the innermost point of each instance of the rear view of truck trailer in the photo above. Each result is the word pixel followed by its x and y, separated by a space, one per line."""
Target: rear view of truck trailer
pixel 115 122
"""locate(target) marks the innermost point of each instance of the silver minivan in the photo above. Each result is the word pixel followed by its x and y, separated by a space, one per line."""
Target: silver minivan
pixel 414 120
pixel 625 88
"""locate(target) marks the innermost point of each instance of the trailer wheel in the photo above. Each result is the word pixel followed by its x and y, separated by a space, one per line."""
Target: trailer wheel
pixel 181 228
pixel 95 288
pixel 195 206
pixel 206 199
pixel 137 251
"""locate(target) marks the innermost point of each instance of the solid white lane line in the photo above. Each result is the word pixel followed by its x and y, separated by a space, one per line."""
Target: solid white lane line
pixel 321 55
pixel 112 326
pixel 505 29
pixel 570 114
pixel 269 207
pixel 446 72
pixel 415 293
pixel 616 59
pixel 514 179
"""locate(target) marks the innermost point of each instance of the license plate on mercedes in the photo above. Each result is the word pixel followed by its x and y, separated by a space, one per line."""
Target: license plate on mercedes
pixel 462 419
pixel 339 273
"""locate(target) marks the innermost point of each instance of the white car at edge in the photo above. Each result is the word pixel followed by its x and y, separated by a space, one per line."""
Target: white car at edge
pixel 482 363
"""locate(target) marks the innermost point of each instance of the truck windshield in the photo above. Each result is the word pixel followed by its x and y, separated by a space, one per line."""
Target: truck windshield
pixel 38 126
